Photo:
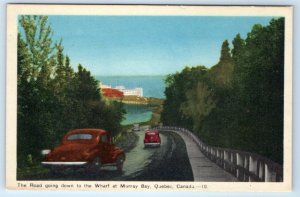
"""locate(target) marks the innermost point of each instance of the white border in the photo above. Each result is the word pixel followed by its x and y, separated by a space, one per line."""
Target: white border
pixel 14 10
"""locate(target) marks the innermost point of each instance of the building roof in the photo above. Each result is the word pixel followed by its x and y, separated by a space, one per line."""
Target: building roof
pixel 111 92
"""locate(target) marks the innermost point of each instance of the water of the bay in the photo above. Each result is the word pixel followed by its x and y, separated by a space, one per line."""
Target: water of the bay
pixel 153 86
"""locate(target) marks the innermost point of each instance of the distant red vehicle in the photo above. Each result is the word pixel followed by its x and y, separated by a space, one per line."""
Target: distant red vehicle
pixel 152 138
pixel 84 148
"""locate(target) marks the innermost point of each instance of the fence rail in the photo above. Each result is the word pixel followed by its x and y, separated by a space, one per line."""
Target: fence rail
pixel 243 165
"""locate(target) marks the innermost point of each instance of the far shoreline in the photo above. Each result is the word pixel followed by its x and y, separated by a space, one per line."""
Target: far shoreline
pixel 136 100
pixel 154 104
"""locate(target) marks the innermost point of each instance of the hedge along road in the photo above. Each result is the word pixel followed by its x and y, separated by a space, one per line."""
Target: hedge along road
pixel 169 162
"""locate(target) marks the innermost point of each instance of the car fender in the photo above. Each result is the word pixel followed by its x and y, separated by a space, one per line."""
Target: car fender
pixel 93 154
pixel 118 153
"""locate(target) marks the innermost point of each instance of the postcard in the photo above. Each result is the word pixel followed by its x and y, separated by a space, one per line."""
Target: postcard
pixel 149 98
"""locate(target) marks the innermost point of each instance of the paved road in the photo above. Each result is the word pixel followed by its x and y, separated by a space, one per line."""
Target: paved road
pixel 177 159
pixel 204 169
pixel 139 157
pixel 169 162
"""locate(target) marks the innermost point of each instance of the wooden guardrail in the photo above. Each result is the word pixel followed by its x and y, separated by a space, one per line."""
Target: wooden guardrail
pixel 243 165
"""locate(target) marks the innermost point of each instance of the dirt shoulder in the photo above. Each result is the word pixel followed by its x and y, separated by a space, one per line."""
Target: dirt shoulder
pixel 128 141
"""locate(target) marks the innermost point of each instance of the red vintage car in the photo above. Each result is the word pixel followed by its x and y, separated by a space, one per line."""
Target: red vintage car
pixel 152 138
pixel 84 148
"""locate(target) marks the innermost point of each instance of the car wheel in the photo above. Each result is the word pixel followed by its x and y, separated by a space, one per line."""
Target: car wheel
pixel 120 163
pixel 95 166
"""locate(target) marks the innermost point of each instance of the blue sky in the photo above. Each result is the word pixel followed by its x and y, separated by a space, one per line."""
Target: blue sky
pixel 146 45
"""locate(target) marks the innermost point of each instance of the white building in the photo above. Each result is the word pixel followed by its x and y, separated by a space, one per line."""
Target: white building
pixel 134 92
pixel 131 92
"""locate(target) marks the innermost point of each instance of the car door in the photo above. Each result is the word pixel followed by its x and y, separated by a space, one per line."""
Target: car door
pixel 106 149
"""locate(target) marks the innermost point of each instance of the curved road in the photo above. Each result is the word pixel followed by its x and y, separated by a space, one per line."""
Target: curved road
pixel 177 159
pixel 169 162
pixel 203 168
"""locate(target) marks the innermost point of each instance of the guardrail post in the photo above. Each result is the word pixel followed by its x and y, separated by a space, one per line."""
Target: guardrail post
pixel 231 162
pixel 247 168
pixel 252 168
pixel 240 166
pixel 268 173
pixel 257 170
pixel 235 167
pixel 226 159
pixel 261 171
pixel 218 159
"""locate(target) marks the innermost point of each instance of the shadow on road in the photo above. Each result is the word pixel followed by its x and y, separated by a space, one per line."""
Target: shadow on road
pixel 169 162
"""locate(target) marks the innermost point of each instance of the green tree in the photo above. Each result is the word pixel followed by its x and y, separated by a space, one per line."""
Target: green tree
pixel 35 67
pixel 261 73
pixel 221 73
pixel 213 98
pixel 200 102
pixel 177 85
pixel 238 103
pixel 238 49
pixel 39 42
pixel 24 86
pixel 52 98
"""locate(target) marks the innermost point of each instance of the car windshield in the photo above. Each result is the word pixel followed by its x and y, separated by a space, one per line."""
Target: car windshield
pixel 81 136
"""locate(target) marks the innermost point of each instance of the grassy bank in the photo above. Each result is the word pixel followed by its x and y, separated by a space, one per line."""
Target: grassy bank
pixel 142 100
pixel 153 104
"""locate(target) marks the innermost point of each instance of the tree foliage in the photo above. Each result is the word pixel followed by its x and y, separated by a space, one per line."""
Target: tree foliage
pixel 238 103
pixel 177 85
pixel 52 97
pixel 200 101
